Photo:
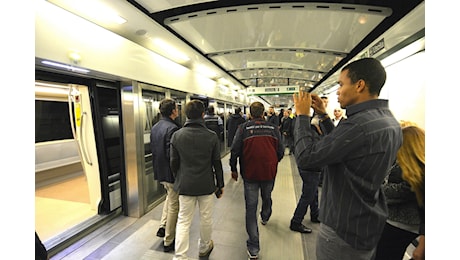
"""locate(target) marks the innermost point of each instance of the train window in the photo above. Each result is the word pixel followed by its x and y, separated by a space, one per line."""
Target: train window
pixel 52 121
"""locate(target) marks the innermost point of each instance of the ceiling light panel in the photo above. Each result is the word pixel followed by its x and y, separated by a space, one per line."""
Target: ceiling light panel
pixel 277 73
pixel 92 10
pixel 313 26
pixel 279 59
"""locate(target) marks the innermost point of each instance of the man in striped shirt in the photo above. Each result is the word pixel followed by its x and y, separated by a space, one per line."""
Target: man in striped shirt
pixel 356 156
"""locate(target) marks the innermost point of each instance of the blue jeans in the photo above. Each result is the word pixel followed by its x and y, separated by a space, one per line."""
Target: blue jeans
pixel 251 197
pixel 309 197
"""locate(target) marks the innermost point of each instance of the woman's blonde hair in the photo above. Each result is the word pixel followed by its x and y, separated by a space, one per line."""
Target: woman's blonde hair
pixel 411 159
pixel 405 123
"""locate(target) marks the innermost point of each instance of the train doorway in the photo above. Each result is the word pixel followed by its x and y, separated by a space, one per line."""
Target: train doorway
pixel 67 182
pixel 79 163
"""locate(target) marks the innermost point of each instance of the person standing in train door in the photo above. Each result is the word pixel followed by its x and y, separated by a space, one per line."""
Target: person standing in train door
pixel 356 156
pixel 197 166
pixel 160 138
pixel 258 146
pixel 405 193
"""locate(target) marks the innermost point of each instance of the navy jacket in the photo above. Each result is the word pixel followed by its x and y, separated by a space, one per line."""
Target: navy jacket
pixel 232 124
pixel 160 138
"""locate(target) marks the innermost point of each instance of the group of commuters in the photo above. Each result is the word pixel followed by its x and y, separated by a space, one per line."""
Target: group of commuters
pixel 372 199
pixel 187 162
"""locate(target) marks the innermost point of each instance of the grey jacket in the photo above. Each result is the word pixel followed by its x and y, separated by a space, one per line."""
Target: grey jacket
pixel 195 160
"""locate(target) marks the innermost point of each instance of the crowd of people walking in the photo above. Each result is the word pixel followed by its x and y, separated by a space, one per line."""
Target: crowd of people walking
pixel 363 212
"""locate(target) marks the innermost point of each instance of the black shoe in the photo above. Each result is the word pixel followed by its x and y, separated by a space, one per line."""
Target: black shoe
pixel 315 220
pixel 161 232
pixel 170 247
pixel 299 228
pixel 262 220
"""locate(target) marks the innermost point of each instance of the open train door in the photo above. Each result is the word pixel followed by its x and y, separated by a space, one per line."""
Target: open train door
pixel 79 177
pixel 83 131
pixel 68 182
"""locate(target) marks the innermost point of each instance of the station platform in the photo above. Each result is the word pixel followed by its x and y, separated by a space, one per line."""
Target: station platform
pixel 135 238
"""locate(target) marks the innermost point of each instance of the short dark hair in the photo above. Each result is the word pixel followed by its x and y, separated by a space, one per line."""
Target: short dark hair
pixel 257 109
pixel 370 70
pixel 211 110
pixel 237 110
pixel 167 106
pixel 194 109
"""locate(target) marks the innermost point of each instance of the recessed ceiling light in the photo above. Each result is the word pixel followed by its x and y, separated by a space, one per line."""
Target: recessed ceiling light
pixel 64 66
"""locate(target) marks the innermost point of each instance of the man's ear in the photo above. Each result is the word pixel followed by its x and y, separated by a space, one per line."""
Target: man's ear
pixel 360 86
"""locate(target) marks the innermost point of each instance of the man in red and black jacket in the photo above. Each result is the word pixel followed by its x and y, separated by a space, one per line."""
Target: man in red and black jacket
pixel 258 146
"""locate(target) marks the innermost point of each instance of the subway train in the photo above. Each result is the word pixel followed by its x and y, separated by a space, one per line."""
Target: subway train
pixel 103 66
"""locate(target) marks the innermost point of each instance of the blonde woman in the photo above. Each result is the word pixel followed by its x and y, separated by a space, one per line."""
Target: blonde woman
pixel 405 194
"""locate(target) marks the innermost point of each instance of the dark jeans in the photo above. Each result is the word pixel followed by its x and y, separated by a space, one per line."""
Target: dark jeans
pixel 251 197
pixel 289 143
pixel 309 197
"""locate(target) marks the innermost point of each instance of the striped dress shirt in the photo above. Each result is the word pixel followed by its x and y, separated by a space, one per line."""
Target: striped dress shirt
pixel 356 156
